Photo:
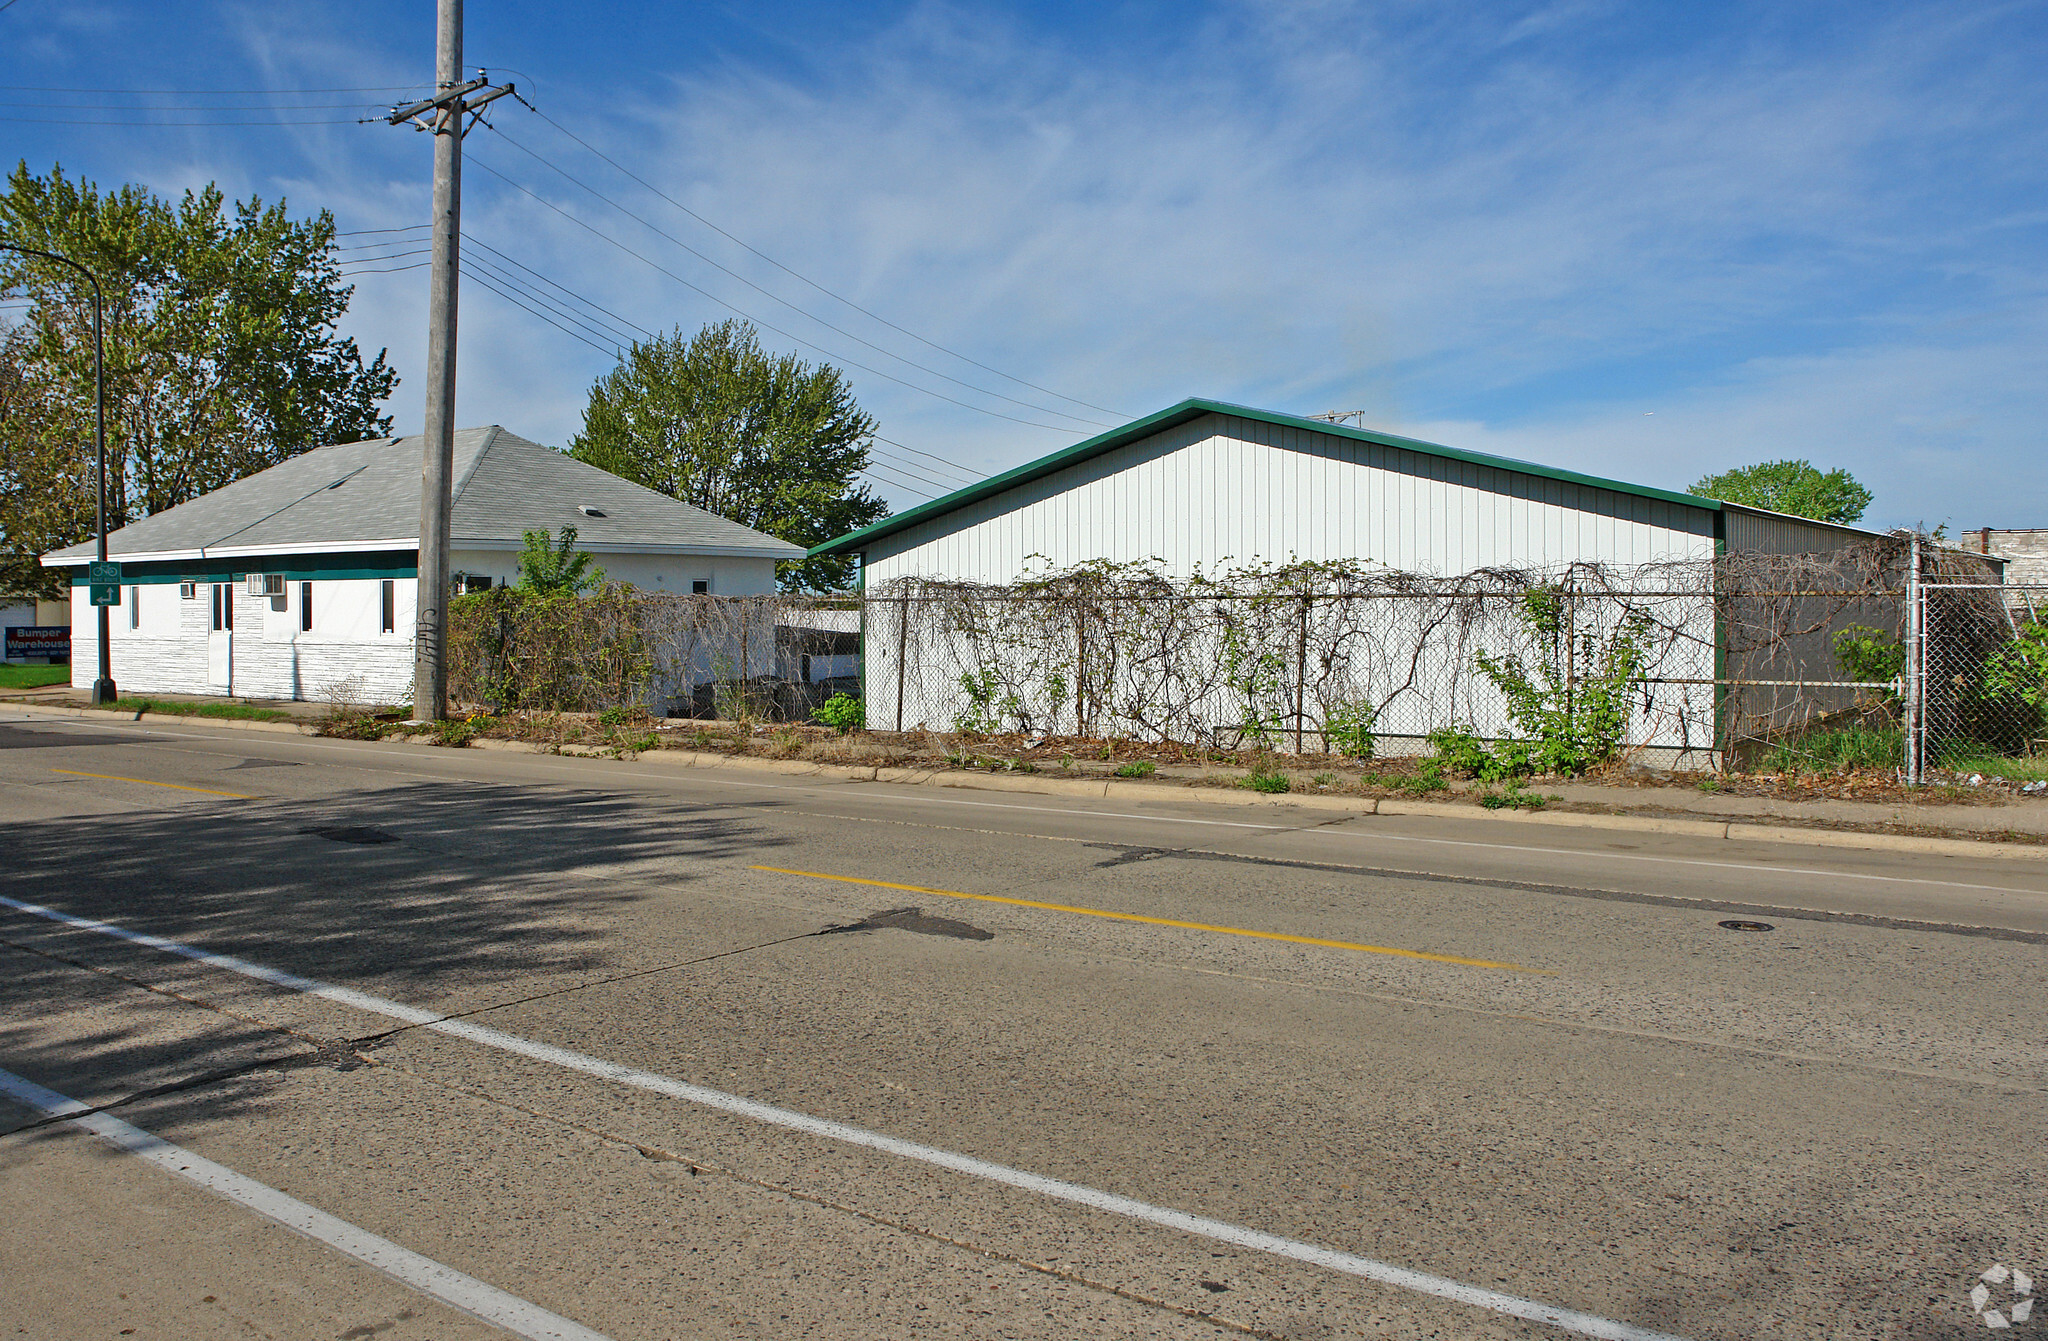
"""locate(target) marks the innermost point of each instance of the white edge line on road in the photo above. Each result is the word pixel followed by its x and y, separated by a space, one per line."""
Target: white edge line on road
pixel 844 791
pixel 465 1293
pixel 1570 1320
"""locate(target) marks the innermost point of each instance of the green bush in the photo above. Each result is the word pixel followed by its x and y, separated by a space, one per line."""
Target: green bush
pixel 1865 653
pixel 1142 768
pixel 1348 726
pixel 841 712
pixel 1573 696
pixel 1460 750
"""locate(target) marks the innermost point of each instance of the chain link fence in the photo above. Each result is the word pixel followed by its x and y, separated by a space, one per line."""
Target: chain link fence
pixel 1896 654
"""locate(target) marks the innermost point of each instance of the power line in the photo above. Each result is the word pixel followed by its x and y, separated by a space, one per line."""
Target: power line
pixel 187 107
pixel 928 456
pixel 875 472
pixel 787 335
pixel 776 298
pixel 524 308
pixel 551 305
pixel 599 308
pixel 210 92
pixel 806 279
pixel 361 232
pixel 63 121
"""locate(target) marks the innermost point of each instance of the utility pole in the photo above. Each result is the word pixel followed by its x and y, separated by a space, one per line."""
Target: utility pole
pixel 103 690
pixel 444 114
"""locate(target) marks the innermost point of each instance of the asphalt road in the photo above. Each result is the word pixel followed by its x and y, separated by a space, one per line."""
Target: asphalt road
pixel 616 1048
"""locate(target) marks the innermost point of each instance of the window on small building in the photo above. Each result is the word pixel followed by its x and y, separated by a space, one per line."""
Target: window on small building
pixel 390 605
pixel 305 607
pixel 223 607
pixel 700 587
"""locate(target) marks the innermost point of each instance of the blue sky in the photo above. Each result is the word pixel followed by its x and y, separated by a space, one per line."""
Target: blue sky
pixel 1646 241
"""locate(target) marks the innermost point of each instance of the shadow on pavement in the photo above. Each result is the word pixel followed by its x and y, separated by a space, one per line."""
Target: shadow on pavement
pixel 476 886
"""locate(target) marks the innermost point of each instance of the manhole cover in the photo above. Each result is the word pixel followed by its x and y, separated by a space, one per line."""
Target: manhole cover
pixel 352 833
pixel 1738 924
pixel 917 920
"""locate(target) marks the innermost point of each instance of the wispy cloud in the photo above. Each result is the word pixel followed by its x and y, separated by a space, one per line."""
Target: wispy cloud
pixel 1516 227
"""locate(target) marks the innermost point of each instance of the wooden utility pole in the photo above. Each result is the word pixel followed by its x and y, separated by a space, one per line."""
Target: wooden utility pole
pixel 444 114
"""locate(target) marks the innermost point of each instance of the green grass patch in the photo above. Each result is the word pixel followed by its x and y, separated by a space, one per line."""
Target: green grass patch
pixel 241 712
pixel 1264 778
pixel 1142 768
pixel 1835 749
pixel 33 677
pixel 1962 758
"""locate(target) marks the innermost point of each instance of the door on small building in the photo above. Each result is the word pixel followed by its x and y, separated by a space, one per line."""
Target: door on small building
pixel 220 639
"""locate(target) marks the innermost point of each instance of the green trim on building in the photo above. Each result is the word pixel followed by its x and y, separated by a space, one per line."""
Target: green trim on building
pixel 1195 408
pixel 295 567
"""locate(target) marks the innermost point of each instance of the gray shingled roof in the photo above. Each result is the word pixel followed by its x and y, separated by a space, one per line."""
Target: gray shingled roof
pixel 366 495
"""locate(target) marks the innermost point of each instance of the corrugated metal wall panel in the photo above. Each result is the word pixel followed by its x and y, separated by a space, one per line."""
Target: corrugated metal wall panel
pixel 1220 492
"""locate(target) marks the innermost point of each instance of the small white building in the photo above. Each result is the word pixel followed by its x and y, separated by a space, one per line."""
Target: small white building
pixel 304 576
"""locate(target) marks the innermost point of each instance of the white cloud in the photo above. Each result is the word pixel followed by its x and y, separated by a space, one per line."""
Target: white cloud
pixel 1452 220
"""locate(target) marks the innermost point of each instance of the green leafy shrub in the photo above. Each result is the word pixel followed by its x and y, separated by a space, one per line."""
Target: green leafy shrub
pixel 2019 669
pixel 1427 777
pixel 1865 653
pixel 1572 698
pixel 842 712
pixel 1514 796
pixel 1348 726
pixel 1142 768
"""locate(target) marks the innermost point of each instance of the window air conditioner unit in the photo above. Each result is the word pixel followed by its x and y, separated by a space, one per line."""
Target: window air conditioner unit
pixel 266 584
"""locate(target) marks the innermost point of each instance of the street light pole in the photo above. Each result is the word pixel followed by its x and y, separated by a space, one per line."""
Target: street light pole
pixel 103 690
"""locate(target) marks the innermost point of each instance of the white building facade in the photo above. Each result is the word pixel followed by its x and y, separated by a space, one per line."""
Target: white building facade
pixel 1209 487
pixel 301 582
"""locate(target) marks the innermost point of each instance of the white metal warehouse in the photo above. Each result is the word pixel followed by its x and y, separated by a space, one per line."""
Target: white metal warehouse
pixel 1207 486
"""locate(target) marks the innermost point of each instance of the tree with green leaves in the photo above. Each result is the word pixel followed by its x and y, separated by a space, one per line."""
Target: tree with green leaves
pixel 556 567
pixel 1796 487
pixel 221 350
pixel 765 440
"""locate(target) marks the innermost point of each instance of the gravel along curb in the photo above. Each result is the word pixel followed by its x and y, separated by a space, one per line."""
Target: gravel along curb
pixel 1129 792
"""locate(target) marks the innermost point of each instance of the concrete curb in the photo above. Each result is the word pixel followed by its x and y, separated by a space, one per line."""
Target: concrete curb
pixel 1131 792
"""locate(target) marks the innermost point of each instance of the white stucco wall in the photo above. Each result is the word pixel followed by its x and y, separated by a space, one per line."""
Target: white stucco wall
pixel 164 646
pixel 268 654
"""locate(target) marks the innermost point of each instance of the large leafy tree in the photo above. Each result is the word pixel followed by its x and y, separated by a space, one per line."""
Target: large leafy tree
pixel 221 349
pixel 1798 487
pixel 766 440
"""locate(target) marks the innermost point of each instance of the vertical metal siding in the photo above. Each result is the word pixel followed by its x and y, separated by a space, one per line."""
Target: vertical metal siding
pixel 1220 492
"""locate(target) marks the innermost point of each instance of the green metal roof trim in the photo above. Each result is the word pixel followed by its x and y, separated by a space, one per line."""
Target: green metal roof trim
pixel 1195 408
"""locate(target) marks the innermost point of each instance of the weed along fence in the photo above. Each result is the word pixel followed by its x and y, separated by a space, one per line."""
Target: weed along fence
pixel 1894 653
pixel 1308 660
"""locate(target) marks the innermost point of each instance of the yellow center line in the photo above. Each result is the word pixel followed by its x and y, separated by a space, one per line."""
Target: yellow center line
pixel 174 786
pixel 1160 921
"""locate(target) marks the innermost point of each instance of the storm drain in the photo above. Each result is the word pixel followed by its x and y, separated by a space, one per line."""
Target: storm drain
pixel 352 833
pixel 917 920
pixel 1738 924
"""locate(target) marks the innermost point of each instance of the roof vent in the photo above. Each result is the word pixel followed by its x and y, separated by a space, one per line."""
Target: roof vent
pixel 589 511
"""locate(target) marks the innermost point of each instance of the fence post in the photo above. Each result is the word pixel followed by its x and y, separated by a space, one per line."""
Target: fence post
pixel 902 649
pixel 1080 670
pixel 1916 667
pixel 1300 673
